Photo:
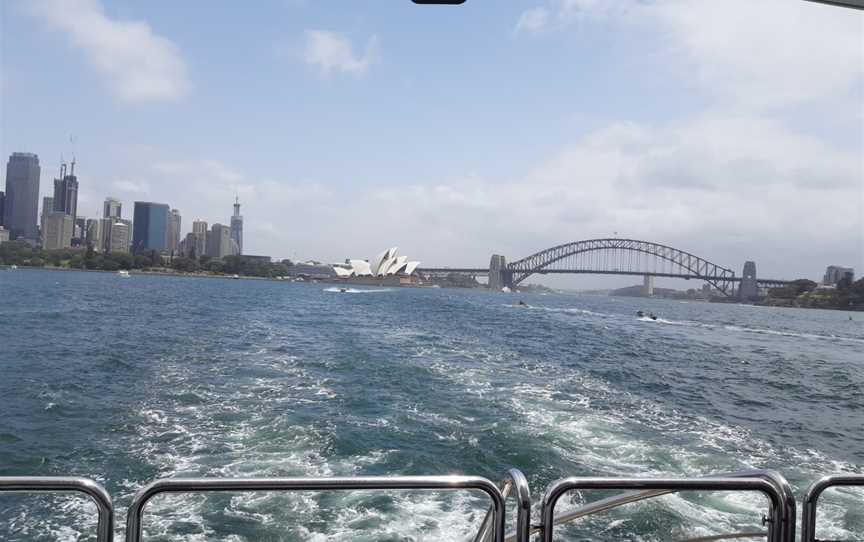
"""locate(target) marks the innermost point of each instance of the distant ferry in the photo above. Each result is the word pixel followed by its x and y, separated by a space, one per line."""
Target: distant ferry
pixel 123 273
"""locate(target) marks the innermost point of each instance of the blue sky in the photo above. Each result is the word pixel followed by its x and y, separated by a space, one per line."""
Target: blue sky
pixel 454 132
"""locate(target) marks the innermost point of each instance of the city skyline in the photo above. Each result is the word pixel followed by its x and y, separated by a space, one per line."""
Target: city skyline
pixel 562 121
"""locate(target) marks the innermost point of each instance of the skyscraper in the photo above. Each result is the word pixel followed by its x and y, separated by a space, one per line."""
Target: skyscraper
pixel 22 196
pixel 150 226
pixel 94 235
pixel 119 235
pixel 112 208
pixel 2 206
pixel 57 230
pixel 174 220
pixel 237 226
pixel 219 241
pixel 196 246
pixel 47 209
pixel 66 192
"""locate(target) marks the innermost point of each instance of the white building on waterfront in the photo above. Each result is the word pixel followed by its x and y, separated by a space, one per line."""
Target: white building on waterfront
pixel 386 264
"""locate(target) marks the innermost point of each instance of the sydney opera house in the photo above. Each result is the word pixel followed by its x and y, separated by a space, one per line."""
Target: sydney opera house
pixel 386 265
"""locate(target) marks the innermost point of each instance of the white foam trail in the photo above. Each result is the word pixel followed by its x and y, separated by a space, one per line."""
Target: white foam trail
pixel 356 290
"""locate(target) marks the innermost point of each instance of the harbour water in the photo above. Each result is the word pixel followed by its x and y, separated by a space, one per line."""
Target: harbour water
pixel 129 380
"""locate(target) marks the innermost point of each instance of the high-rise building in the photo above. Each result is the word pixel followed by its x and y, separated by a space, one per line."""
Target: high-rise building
pixel 174 221
pixel 93 234
pixel 80 230
pixel 237 226
pixel 47 209
pixel 150 226
pixel 219 241
pixel 4 235
pixel 196 245
pixel 22 196
pixel 119 235
pixel 833 274
pixel 2 206
pixel 66 192
pixel 57 231
pixel 112 208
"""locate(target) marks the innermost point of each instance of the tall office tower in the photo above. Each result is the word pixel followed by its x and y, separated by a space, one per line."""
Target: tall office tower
pixel 150 226
pixel 47 209
pixel 80 230
pixel 120 235
pixel 2 206
pixel 22 196
pixel 57 231
pixel 174 221
pixel 66 192
pixel 198 247
pixel 219 241
pixel 94 236
pixel 112 208
pixel 237 226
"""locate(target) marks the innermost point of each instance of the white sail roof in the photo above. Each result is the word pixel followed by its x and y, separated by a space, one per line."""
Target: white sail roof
pixel 397 265
pixel 342 272
pixel 361 268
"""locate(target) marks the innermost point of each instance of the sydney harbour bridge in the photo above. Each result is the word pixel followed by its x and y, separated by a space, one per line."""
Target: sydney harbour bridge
pixel 615 256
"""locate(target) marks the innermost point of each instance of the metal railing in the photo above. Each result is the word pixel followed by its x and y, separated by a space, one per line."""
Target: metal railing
pixel 780 520
pixel 201 485
pixel 658 486
pixel 514 480
pixel 811 499
pixel 68 484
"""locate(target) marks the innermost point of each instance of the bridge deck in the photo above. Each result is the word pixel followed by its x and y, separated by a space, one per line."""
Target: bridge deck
pixel 480 270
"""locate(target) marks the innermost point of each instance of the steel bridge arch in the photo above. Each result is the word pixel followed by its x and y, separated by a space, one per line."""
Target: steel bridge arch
pixel 686 264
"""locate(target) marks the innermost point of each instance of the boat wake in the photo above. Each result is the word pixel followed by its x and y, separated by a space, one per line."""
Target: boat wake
pixel 356 290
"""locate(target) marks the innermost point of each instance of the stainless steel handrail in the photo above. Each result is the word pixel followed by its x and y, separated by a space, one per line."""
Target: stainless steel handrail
pixel 787 533
pixel 485 532
pixel 811 499
pixel 766 487
pixel 515 479
pixel 199 485
pixel 58 484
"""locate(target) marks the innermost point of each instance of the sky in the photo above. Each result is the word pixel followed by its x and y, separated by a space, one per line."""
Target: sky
pixel 733 130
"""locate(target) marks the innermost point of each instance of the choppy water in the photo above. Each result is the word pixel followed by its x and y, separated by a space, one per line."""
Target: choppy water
pixel 129 380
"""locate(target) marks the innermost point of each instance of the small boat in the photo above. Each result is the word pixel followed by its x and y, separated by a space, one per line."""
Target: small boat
pixel 13 267
pixel 235 276
pixel 343 290
pixel 123 273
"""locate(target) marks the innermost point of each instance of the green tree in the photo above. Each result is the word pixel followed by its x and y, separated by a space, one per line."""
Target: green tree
pixel 215 266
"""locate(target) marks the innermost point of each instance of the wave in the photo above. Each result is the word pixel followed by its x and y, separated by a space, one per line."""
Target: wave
pixel 793 334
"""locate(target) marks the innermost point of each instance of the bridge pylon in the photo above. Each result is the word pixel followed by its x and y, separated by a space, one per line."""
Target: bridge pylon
pixel 499 275
pixel 749 289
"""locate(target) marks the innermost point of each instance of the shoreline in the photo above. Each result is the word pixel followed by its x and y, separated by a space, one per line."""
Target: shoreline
pixel 370 284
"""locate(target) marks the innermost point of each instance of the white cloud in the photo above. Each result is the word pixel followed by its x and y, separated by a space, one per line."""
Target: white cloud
pixel 332 52
pixel 138 64
pixel 131 187
pixel 788 200
pixel 533 20
pixel 697 185
pixel 760 54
